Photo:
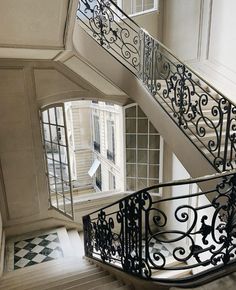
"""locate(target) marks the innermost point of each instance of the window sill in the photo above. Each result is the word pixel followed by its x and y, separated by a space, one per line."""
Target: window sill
pixel 149 11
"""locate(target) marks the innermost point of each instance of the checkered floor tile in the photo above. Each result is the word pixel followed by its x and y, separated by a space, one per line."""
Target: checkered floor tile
pixel 37 250
pixel 156 247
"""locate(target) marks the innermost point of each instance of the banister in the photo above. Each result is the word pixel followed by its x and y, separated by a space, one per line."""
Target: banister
pixel 192 237
pixel 188 66
pixel 171 183
pixel 207 120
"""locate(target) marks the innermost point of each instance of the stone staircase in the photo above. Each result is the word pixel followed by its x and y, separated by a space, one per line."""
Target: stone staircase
pixel 68 272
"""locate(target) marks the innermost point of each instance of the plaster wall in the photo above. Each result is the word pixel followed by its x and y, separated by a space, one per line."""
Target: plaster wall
pixel 23 187
pixel 181 24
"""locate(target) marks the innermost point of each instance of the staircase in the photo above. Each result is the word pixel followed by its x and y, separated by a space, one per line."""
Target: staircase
pixel 69 272
pixel 164 87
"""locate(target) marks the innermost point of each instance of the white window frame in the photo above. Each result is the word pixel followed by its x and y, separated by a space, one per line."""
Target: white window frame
pixel 133 11
pixel 161 152
pixel 111 144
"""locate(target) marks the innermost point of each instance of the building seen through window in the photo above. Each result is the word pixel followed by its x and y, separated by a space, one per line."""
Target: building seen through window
pixel 92 147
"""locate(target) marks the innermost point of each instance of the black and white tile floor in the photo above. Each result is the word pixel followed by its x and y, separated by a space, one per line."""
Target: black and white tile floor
pixel 156 247
pixel 37 250
pixel 37 247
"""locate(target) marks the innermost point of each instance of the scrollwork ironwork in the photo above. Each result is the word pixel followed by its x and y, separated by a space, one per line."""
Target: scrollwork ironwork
pixel 105 21
pixel 125 236
pixel 206 117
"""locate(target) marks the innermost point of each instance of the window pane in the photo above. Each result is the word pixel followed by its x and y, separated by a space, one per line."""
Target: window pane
pixel 60 117
pixel 153 171
pixel 152 129
pixel 45 116
pixel 142 171
pixel 153 182
pixel 138 6
pixel 131 125
pixel 130 170
pixel 141 113
pixel 142 156
pixel 52 118
pixel 142 125
pixel 154 141
pixel 142 141
pixel 130 156
pixel 148 4
pixel 131 184
pixel 130 141
pixel 154 157
pixel 130 112
pixel 142 183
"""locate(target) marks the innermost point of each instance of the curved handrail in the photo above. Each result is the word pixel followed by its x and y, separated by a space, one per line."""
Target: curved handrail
pixel 190 180
pixel 126 233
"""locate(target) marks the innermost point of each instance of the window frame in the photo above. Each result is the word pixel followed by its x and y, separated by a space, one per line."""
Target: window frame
pixel 57 194
pixel 111 144
pixel 133 11
pixel 136 149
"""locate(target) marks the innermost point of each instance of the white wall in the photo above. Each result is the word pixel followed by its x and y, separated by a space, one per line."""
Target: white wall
pixel 201 32
pixel 181 27
pixel 152 22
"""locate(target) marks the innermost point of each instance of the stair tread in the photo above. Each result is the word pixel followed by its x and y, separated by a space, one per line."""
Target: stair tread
pixel 50 273
pixel 76 243
pixel 171 273
pixel 88 285
pixel 63 262
pixel 87 279
pixel 111 285
pixel 57 280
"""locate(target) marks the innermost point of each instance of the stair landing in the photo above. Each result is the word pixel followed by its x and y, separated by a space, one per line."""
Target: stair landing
pixel 53 260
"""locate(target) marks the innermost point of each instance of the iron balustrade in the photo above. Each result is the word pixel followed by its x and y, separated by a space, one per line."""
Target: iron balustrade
pixel 112 29
pixel 203 113
pixel 195 234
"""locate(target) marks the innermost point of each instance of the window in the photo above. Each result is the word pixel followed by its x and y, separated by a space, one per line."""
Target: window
pixel 110 141
pixel 136 6
pixel 143 148
pixel 112 181
pixel 96 133
pixel 55 143
pixel 98 178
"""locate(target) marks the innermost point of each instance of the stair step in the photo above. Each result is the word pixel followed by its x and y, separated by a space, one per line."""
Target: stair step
pixel 56 283
pixel 126 287
pixel 76 243
pixel 52 281
pixel 112 285
pixel 90 284
pixel 38 274
pixel 172 273
pixel 82 283
pixel 44 267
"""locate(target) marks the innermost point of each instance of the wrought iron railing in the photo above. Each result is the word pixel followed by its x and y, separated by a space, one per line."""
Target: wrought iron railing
pixel 204 114
pixel 143 234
